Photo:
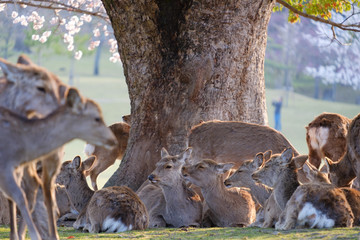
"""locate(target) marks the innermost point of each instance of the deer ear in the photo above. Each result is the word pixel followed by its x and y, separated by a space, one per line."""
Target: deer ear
pixel 88 163
pixel 286 156
pixel 267 155
pixel 10 70
pixel 306 169
pixel 76 162
pixel 300 160
pixel 25 60
pixel 73 99
pixel 223 167
pixel 325 168
pixel 258 160
pixel 185 156
pixel 164 153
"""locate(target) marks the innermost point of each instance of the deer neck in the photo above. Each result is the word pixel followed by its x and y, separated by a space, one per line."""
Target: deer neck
pixel 286 185
pixel 175 196
pixel 49 133
pixel 216 195
pixel 344 170
pixel 80 193
pixel 261 192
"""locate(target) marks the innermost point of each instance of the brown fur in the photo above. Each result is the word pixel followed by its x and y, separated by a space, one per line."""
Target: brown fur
pixel 32 91
pixel 352 195
pixel 118 203
pixel 104 157
pixel 49 135
pixel 280 173
pixel 334 145
pixel 326 199
pixel 183 207
pixel 234 141
pixel 227 206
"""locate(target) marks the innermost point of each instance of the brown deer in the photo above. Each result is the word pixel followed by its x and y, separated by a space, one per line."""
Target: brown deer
pixel 308 205
pixel 32 91
pixel 326 137
pixel 49 134
pixel 112 209
pixel 183 207
pixel 343 172
pixel 228 207
pixel 243 178
pixel 104 157
pixel 282 178
pixel 352 195
pixel 234 141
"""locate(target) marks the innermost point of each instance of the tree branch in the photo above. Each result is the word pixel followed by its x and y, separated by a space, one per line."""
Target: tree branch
pixel 347 27
pixel 55 5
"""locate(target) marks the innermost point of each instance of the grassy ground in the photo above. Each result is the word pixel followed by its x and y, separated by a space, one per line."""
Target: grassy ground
pixel 210 233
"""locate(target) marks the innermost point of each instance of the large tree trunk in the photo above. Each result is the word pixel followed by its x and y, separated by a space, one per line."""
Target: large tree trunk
pixel 184 62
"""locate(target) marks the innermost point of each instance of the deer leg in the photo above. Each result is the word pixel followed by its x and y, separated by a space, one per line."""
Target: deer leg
pixel 30 184
pixel 12 189
pixel 13 226
pixel 48 178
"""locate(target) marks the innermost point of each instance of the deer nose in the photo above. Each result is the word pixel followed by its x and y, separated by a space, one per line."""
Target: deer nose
pixel 151 177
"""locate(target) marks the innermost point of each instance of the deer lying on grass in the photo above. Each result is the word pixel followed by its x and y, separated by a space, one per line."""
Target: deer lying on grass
pixel 112 209
pixel 352 195
pixel 326 137
pixel 243 178
pixel 308 205
pixel 234 141
pixel 228 207
pixel 183 207
pixel 22 131
pixel 104 157
pixel 29 91
pixel 284 183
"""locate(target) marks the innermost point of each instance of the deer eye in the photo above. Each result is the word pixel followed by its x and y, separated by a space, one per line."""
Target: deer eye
pixel 200 167
pixel 41 89
pixel 168 166
pixel 98 120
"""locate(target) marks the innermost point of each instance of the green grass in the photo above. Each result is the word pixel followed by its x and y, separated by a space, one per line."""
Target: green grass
pixel 209 233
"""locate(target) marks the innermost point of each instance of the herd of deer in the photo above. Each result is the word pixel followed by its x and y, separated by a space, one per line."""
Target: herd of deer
pixel 232 174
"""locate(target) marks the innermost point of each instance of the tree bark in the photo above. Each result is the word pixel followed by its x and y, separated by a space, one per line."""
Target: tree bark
pixel 185 62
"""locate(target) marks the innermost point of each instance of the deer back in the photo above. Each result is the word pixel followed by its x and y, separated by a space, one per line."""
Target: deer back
pixel 234 141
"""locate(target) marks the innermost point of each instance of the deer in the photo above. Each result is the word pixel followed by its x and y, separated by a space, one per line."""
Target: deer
pixel 231 141
pixel 326 137
pixel 32 91
pixel 321 176
pixel 227 207
pixel 49 134
pixel 307 205
pixel 343 172
pixel 111 209
pixel 104 157
pixel 242 178
pixel 182 206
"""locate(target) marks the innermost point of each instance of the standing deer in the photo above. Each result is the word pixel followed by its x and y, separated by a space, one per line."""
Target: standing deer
pixel 104 157
pixel 182 206
pixel 326 137
pixel 32 91
pixel 112 209
pixel 49 134
pixel 234 141
pixel 228 207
